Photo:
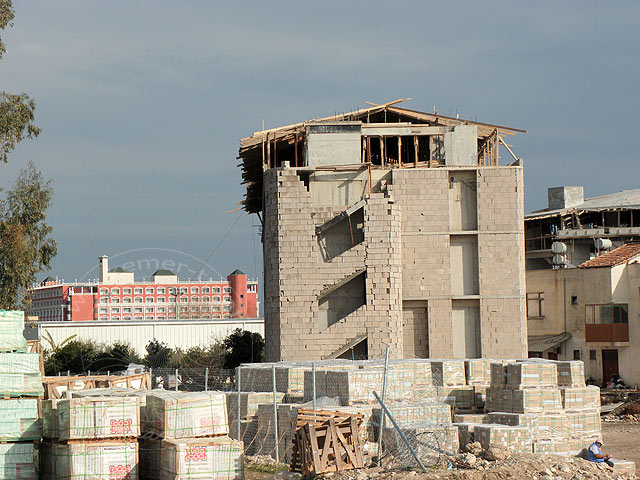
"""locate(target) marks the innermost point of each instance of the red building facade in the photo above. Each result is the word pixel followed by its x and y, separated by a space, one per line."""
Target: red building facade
pixel 116 296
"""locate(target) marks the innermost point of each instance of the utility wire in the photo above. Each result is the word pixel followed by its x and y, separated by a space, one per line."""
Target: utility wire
pixel 218 245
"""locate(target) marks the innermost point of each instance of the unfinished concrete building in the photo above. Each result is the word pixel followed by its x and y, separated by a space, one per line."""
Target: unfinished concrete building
pixel 389 227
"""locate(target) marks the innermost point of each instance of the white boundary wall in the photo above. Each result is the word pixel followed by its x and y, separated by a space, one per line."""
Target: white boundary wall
pixel 182 333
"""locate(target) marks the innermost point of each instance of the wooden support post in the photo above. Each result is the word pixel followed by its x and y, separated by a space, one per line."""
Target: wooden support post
pixel 383 156
pixel 416 149
pixel 268 164
pixel 430 146
pixel 399 151
pixel 275 146
pixel 295 147
pixel 368 149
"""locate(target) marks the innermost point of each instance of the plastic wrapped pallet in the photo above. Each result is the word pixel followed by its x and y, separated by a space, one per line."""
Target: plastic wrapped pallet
pixel 478 371
pixel 11 331
pixel 355 386
pixel 47 461
pixel 249 402
pixel 98 417
pixel 218 458
pixel 248 433
pixel 472 418
pixel 448 372
pixel 532 374
pixel 576 399
pixel 458 397
pixel 570 373
pixel 528 400
pixel 49 422
pixel 498 374
pixel 480 396
pixel 552 447
pixel 516 439
pixel 115 460
pixel 585 424
pixel 19 420
pixel 529 420
pixel 116 392
pixel 17 461
pixel 184 415
pixel 540 425
pixel 407 414
pixel 150 455
pixel 465 433
pixel 20 375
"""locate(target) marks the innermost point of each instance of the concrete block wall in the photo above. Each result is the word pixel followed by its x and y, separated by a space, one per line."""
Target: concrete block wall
pixel 406 256
pixel 296 274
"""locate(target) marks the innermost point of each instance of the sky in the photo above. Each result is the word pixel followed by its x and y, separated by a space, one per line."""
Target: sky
pixel 142 105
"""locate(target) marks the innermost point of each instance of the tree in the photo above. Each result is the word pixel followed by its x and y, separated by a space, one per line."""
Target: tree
pixel 26 247
pixel 243 346
pixel 16 110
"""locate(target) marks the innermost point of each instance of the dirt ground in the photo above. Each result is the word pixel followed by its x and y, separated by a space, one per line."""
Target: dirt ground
pixel 622 440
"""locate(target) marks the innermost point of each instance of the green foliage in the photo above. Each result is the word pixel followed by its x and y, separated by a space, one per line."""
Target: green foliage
pixel 81 356
pixel 26 247
pixel 6 19
pixel 16 110
pixel 243 346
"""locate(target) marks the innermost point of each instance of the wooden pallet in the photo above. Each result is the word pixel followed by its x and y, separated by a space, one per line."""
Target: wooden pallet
pixel 326 441
pixel 56 387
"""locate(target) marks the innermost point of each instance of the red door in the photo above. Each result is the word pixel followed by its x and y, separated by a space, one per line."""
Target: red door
pixel 609 364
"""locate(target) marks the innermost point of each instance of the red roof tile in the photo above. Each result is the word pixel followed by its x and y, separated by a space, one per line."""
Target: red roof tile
pixel 614 257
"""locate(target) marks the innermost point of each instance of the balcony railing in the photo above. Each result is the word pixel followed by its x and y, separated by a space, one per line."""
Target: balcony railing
pixel 610 332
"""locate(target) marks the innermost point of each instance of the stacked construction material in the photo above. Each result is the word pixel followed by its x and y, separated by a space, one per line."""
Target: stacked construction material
pixel 249 422
pixel 193 441
pixel 450 381
pixel 92 437
pixel 20 387
pixel 478 376
pixel 548 398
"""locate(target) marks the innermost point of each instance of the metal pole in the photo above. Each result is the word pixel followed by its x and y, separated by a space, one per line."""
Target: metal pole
pixel 402 435
pixel 206 380
pixel 382 416
pixel 313 381
pixel 275 411
pixel 238 377
pixel 176 386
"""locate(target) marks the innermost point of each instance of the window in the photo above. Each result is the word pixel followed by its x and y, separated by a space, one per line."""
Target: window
pixel 148 291
pixel 160 318
pixel 115 300
pixel 215 299
pixel 127 318
pixel 126 300
pixel 184 299
pixel 137 291
pixel 126 291
pixel 205 290
pixel 104 300
pixel 115 291
pixel 115 309
pixel 104 291
pixel 117 317
pixel 172 299
pixel 205 299
pixel 606 314
pixel 592 354
pixel 148 310
pixel 137 300
pixel 184 309
pixel 576 354
pixel 104 309
pixel 160 290
pixel 161 309
pixel 137 310
pixel 574 299
pixel 126 309
pixel 216 308
pixel 195 290
pixel 215 289
pixel 226 289
pixel 227 299
pixel 194 308
pixel 149 300
pixel 535 305
pixel 137 317
pixel 195 299
pixel 227 308
pixel 183 290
